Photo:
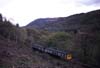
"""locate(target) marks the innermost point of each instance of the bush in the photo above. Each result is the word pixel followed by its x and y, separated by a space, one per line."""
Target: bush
pixel 60 40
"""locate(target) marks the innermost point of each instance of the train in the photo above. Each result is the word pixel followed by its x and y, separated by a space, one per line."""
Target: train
pixel 66 55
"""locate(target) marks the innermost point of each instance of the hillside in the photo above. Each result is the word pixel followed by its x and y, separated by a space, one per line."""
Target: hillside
pixel 16 42
pixel 85 41
pixel 16 48
pixel 67 23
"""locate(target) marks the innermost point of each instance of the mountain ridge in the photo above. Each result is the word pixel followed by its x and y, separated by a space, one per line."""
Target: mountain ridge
pixel 75 21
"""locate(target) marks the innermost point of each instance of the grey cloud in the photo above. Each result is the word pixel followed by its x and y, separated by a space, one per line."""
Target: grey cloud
pixel 82 2
pixel 90 2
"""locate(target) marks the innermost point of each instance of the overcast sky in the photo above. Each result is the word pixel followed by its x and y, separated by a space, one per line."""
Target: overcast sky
pixel 25 11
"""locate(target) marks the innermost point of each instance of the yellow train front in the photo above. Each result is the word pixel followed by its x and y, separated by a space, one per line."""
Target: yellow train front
pixel 68 56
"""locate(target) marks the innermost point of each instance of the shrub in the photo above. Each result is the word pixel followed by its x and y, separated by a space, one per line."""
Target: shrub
pixel 61 40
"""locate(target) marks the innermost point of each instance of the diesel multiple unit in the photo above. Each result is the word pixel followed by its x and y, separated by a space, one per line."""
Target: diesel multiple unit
pixel 54 51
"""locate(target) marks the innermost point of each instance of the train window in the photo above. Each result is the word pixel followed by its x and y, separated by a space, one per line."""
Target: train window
pixel 50 51
pixel 59 54
pixel 62 54
pixel 45 50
